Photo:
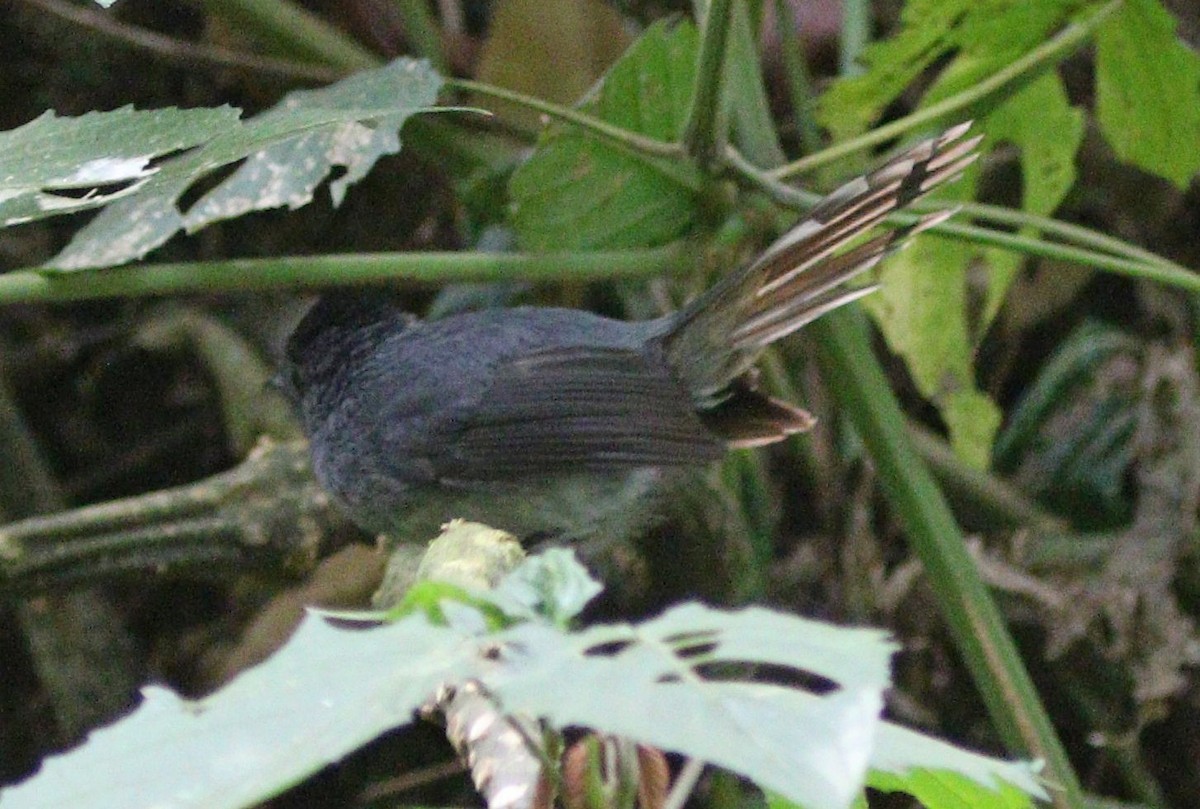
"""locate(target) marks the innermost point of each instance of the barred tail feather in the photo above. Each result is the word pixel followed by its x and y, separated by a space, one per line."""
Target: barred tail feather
pixel 714 342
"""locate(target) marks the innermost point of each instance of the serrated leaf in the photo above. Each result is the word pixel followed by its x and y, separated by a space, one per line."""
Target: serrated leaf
pixel 577 192
pixel 288 151
pixel 669 681
pixel 107 153
pixel 327 692
pixel 1148 91
pixel 640 682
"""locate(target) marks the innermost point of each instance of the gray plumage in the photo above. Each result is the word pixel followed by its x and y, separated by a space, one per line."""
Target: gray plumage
pixel 546 421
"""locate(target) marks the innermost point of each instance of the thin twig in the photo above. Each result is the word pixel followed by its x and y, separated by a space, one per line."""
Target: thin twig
pixel 391 787
pixel 616 134
pixel 181 52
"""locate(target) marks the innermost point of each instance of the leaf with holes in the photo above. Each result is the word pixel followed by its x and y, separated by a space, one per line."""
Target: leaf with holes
pixel 137 165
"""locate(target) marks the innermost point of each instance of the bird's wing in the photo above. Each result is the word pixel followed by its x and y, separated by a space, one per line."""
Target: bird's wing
pixel 575 409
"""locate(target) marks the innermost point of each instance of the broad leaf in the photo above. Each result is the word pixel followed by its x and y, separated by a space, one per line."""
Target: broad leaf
pixel 923 307
pixel 328 692
pixel 108 159
pixel 942 776
pixel 1148 91
pixel 579 192
pixel 678 681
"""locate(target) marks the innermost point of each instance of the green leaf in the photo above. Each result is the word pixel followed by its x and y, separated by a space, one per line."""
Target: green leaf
pixel 329 691
pixel 1148 91
pixel 853 103
pixel 921 309
pixel 983 36
pixel 943 776
pixel 577 192
pixel 106 154
pixel 676 681
pixel 288 151
pixel 1040 121
pixel 551 586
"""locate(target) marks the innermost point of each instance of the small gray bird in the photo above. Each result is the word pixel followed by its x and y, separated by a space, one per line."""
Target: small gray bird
pixel 558 422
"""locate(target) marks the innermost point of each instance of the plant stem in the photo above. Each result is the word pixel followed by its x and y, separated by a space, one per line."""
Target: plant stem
pixel 179 51
pixel 799 81
pixel 1109 254
pixel 700 131
pixel 421 27
pixel 1161 272
pixel 615 134
pixel 1040 58
pixel 1055 227
pixel 844 354
pixel 856 32
pixel 294 30
pixel 142 280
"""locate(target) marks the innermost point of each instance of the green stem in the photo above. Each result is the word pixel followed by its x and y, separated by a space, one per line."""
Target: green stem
pixel 856 32
pixel 1041 57
pixel 423 33
pixel 799 81
pixel 844 354
pixel 23 286
pixel 1161 272
pixel 700 132
pixel 615 134
pixel 293 30
pixel 1064 230
pixel 1129 260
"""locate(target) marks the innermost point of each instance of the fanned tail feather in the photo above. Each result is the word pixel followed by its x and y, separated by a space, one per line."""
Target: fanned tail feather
pixel 715 341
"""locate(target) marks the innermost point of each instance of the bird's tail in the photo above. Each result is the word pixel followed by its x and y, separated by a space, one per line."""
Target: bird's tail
pixel 714 342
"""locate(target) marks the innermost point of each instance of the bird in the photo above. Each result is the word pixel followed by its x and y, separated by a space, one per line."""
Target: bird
pixel 557 423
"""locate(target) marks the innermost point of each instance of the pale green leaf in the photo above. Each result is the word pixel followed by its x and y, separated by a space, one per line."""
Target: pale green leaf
pixel 552 585
pixel 921 310
pixel 676 681
pixel 288 151
pixel 52 165
pixel 1148 91
pixel 328 692
pixel 641 682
